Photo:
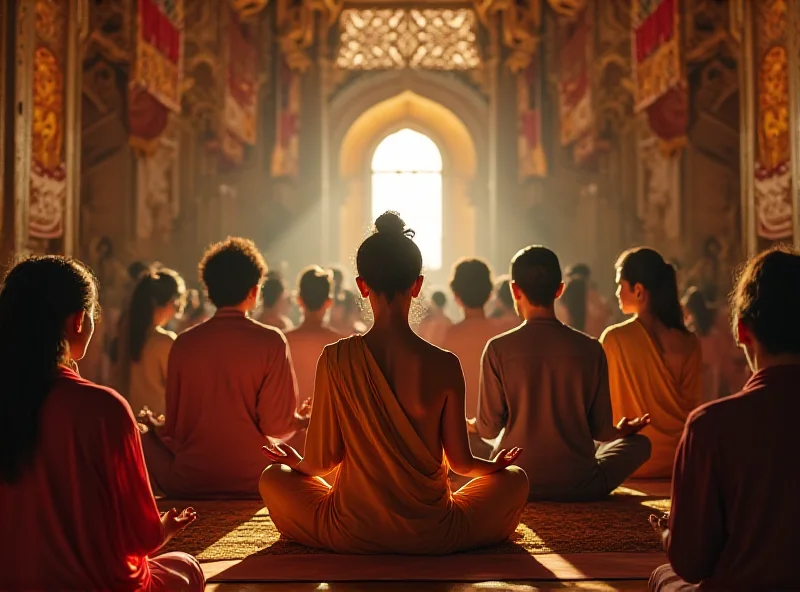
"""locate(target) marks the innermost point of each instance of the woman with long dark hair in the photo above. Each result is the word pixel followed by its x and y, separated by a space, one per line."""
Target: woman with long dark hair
pixel 655 364
pixel 389 414
pixel 76 508
pixel 157 298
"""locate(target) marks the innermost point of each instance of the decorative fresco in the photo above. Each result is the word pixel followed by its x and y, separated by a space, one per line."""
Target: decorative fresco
pixel 286 153
pixel 48 168
pixel 773 152
pixel 574 90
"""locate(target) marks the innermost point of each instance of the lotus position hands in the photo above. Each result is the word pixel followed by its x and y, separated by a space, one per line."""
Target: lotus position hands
pixel 174 523
pixel 282 453
pixel 628 427
pixel 505 458
pixel 148 419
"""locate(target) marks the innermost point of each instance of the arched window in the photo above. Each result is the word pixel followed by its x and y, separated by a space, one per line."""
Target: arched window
pixel 407 178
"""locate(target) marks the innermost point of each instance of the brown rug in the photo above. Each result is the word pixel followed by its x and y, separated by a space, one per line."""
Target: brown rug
pixel 227 530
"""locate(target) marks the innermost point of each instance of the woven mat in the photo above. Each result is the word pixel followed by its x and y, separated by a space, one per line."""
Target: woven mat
pixel 227 530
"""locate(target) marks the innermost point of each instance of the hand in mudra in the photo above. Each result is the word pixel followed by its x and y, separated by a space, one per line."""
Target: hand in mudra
pixel 628 427
pixel 506 458
pixel 147 418
pixel 283 454
pixel 174 523
pixel 660 524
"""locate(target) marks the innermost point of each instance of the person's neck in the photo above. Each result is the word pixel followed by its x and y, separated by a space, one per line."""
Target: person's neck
pixel 474 313
pixel 243 307
pixel 763 360
pixel 312 319
pixel 648 319
pixel 535 313
pixel 392 317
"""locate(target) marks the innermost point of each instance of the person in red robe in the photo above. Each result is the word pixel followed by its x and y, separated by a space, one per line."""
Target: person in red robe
pixel 230 387
pixel 76 508
pixel 733 522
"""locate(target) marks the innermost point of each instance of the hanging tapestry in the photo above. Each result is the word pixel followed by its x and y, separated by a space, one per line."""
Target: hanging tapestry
pixel 241 91
pixel 773 198
pixel 575 95
pixel 158 65
pixel 48 181
pixel 532 159
pixel 656 50
pixel 286 153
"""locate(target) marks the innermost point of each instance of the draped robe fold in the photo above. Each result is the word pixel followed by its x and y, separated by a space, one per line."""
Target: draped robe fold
pixel 641 382
pixel 390 495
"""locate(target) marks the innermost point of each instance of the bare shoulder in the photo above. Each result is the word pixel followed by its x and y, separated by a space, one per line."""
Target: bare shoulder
pixel 620 330
pixel 443 360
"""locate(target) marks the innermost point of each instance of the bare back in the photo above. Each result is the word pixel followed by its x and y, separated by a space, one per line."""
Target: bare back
pixel 423 378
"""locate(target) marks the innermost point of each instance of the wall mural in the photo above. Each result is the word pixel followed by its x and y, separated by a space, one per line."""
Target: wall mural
pixel 531 153
pixel 773 199
pixel 48 188
pixel 286 152
pixel 575 91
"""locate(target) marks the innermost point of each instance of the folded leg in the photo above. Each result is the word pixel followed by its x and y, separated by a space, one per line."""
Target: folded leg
pixel 493 505
pixel 291 498
pixel 618 460
pixel 176 572
pixel 664 579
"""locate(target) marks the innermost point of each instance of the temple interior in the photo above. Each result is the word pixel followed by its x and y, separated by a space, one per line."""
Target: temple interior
pixel 138 132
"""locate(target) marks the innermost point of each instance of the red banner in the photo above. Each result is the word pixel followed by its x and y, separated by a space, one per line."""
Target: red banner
pixel 575 95
pixel 241 89
pixel 532 159
pixel 286 153
pixel 656 50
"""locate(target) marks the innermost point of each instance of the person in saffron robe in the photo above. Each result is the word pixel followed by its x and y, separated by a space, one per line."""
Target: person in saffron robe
pixel 733 522
pixel 230 386
pixel 76 509
pixel 655 364
pixel 433 328
pixel 145 342
pixel 389 414
pixel 275 304
pixel 545 386
pixel 307 341
pixel 472 286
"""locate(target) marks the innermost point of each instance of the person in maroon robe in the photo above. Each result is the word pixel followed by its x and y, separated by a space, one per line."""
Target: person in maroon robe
pixel 733 522
pixel 76 508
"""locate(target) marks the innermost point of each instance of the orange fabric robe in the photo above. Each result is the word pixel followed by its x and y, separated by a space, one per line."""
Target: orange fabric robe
pixel 230 385
pixel 83 516
pixel 391 495
pixel 641 382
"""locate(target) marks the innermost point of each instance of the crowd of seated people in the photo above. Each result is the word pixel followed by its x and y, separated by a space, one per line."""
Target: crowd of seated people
pixel 350 433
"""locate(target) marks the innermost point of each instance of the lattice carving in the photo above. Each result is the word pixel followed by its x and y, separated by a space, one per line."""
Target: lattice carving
pixel 387 39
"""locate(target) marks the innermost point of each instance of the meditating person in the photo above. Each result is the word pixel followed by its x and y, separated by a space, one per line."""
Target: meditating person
pixel 230 386
pixel 546 385
pixel 733 522
pixel 472 286
pixel 582 303
pixel 76 509
pixel 433 328
pixel 655 365
pixel 307 341
pixel 145 342
pixel 389 414
pixel 275 304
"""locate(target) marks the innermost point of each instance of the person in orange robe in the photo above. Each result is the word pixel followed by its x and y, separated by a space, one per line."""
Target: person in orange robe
pixel 307 341
pixel 76 508
pixel 389 414
pixel 472 285
pixel 655 364
pixel 230 386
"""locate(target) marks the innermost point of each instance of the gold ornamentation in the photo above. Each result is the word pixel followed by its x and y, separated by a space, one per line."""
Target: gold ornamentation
pixel 384 39
pixel 569 9
pixel 248 8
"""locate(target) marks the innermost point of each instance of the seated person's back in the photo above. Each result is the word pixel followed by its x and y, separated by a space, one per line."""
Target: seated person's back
pixel 389 414
pixel 230 386
pixel 734 517
pixel 76 509
pixel 547 385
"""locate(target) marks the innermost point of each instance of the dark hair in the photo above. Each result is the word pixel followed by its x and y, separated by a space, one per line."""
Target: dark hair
pixel 388 260
pixel 579 270
pixel 37 297
pixel 137 268
pixel 195 305
pixel 647 267
pixel 272 290
pixel 338 280
pixel 314 287
pixel 154 289
pixel 472 282
pixel 537 272
pixel 766 299
pixel 503 290
pixel 696 304
pixel 574 299
pixel 230 269
pixel 439 298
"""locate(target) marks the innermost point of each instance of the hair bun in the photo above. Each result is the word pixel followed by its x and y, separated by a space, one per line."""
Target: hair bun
pixel 391 223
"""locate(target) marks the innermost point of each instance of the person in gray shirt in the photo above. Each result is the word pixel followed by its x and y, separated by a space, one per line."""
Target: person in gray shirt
pixel 545 387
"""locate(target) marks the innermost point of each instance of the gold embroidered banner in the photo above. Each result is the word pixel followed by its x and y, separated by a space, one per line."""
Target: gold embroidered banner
pixel 158 64
pixel 532 159
pixel 286 153
pixel 575 93
pixel 656 50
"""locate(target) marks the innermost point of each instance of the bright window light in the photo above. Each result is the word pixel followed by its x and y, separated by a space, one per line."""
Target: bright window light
pixel 407 178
